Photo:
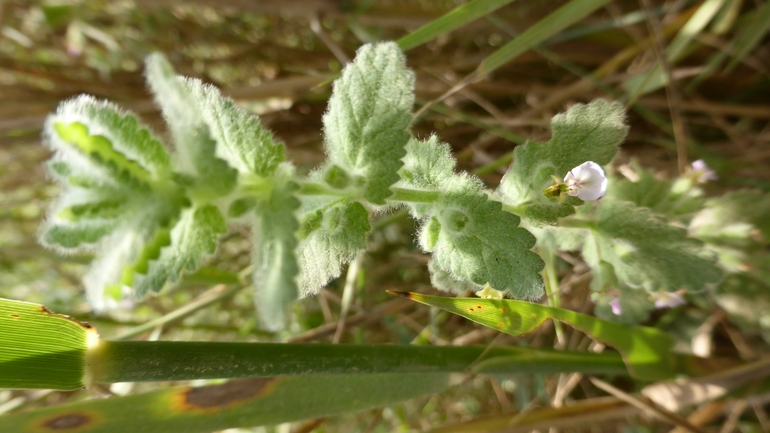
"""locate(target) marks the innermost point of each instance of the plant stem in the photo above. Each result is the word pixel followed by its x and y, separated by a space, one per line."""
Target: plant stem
pixel 552 290
pixel 319 188
pixel 517 210
pixel 414 195
pixel 577 223
pixel 142 361
pixel 388 219
pixel 399 194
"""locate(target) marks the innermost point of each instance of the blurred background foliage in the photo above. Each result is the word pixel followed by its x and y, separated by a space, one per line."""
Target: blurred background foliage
pixel 275 57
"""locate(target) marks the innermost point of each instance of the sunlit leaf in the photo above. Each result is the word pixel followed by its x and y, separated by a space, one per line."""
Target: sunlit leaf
pixel 471 238
pixel 40 349
pixel 240 403
pixel 474 239
pixel 195 144
pixel 241 139
pixel 331 237
pixel 194 236
pixel 647 351
pixel 110 137
pixel 367 124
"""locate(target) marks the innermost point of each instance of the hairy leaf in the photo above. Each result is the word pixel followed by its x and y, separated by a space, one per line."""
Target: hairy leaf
pixel 331 237
pixel 78 236
pixel 474 239
pixel 428 166
pixel 241 139
pixel 447 282
pixel 194 236
pixel 646 252
pixel 673 198
pixel 140 233
pixel 91 207
pixel 275 241
pixel 79 218
pixel 75 170
pixel 102 281
pixel 738 218
pixel 367 124
pixel 746 299
pixel 585 133
pixel 196 148
pixel 108 135
pixel 100 153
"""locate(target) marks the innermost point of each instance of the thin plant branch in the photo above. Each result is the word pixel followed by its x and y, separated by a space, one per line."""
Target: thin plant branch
pixel 672 93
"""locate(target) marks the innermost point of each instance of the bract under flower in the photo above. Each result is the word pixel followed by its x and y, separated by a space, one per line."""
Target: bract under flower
pixel 668 299
pixel 489 293
pixel 587 181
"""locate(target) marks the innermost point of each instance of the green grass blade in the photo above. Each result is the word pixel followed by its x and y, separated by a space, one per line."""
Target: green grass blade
pixel 646 351
pixel 453 20
pixel 655 77
pixel 143 361
pixel 40 349
pixel 238 403
pixel 44 350
pixel 557 21
pixel 752 34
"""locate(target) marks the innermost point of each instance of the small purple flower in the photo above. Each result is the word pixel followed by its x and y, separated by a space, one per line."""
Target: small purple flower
pixel 616 308
pixel 587 181
pixel 702 173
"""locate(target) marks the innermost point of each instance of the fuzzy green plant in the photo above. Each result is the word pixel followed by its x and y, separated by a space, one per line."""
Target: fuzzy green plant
pixel 150 215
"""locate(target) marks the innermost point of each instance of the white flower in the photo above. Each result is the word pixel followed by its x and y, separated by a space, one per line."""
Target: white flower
pixel 702 173
pixel 586 181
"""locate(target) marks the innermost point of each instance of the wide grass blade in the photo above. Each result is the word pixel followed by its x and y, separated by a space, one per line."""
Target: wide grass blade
pixel 237 403
pixel 646 351
pixel 143 361
pixel 40 349
pixel 44 350
pixel 452 20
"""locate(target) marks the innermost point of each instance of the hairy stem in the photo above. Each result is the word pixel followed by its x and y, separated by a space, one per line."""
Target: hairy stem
pixel 414 195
